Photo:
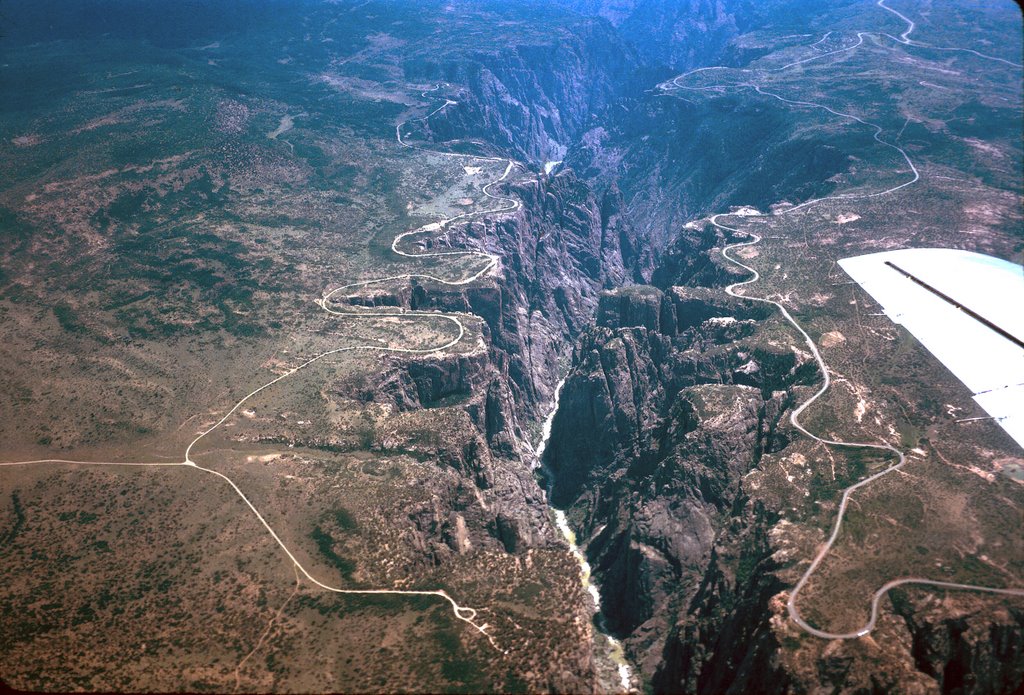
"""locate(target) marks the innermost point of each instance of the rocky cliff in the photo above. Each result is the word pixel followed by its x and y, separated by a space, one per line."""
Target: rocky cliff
pixel 676 35
pixel 676 392
pixel 681 389
pixel 685 160
pixel 557 253
pixel 685 392
pixel 682 401
pixel 533 99
pixel 679 36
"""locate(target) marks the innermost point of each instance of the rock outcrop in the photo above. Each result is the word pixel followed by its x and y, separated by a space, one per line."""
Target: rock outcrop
pixel 557 254
pixel 972 652
pixel 673 431
pixel 533 99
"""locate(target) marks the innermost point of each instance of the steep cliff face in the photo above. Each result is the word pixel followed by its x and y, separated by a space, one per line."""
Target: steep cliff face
pixel 684 34
pixel 564 246
pixel 971 652
pixel 683 393
pixel 556 255
pixel 722 640
pixel 536 97
pixel 676 35
pixel 679 388
pixel 681 401
pixel 676 391
pixel 675 161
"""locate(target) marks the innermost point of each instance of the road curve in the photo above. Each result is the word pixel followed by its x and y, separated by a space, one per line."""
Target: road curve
pixel 794 418
pixel 464 613
pixel 905 39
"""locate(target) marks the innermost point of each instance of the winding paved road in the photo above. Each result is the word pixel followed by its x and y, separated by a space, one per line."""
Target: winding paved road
pixel 469 615
pixel 794 417
pixel 464 613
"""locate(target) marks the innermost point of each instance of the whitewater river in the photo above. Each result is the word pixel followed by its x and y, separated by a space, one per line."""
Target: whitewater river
pixel 615 650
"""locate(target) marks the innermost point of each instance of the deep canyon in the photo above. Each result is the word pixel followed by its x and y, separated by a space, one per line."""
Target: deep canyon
pixel 695 501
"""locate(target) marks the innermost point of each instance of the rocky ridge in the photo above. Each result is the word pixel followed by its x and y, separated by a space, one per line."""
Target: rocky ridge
pixel 680 386
pixel 556 255
pixel 684 402
pixel 678 383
